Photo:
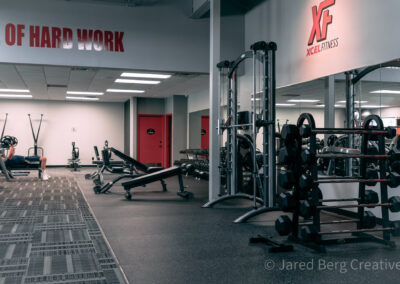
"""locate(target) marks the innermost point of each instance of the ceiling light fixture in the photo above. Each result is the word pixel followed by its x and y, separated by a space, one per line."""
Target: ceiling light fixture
pixel 285 104
pixel 385 92
pixel 302 101
pixel 130 81
pixel 145 75
pixel 324 105
pixel 357 102
pixel 124 91
pixel 82 98
pixel 15 90
pixel 374 106
pixel 15 96
pixel 85 93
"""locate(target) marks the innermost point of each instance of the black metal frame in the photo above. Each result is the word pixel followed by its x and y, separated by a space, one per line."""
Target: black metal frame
pixel 319 244
pixel 36 137
pixel 267 190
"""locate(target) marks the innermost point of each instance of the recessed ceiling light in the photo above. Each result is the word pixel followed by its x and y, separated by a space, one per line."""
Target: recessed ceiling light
pixel 15 90
pixel 15 96
pixel 257 99
pixel 124 91
pixel 82 98
pixel 374 106
pixel 357 102
pixel 385 92
pixel 85 93
pixel 324 105
pixel 130 81
pixel 303 101
pixel 285 104
pixel 145 75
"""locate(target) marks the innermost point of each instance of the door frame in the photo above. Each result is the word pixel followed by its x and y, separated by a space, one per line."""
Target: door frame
pixel 167 153
pixel 166 136
pixel 201 124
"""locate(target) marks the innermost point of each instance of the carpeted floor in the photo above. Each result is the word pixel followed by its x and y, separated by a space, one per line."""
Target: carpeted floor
pixel 49 235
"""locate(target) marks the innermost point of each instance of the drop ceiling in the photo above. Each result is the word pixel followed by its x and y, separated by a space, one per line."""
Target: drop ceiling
pixel 52 82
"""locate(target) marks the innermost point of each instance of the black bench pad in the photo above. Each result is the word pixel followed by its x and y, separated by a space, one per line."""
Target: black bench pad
pixel 156 176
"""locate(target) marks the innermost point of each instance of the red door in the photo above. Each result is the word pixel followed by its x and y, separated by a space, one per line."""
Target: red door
pixel 205 136
pixel 151 139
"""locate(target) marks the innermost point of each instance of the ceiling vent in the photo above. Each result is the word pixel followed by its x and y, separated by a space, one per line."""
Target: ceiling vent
pixel 56 86
pixel 290 95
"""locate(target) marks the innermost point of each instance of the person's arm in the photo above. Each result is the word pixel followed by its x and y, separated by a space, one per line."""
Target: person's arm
pixel 11 152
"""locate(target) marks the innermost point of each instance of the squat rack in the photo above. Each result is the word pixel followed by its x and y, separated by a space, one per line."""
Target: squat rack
pixel 264 54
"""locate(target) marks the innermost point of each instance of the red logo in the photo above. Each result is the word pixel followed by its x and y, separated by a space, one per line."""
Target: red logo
pixel 326 20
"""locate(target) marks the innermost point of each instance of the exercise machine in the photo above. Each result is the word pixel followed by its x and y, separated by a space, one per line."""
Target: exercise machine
pixel 35 147
pixel 134 165
pixel 261 116
pixel 157 176
pixel 74 162
pixel 111 167
pixel 10 173
pixel 3 153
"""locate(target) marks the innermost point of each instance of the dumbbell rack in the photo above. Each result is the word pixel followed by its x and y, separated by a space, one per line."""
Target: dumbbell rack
pixel 319 244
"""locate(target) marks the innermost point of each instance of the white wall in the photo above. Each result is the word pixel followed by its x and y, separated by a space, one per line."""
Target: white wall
pixel 199 100
pixel 87 124
pixel 387 112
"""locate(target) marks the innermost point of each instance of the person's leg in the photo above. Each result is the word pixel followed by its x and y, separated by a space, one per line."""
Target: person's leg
pixel 43 161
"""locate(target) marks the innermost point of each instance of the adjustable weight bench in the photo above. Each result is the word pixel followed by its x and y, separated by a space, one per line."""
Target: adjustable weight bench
pixel 157 176
pixel 135 165
pixel 112 167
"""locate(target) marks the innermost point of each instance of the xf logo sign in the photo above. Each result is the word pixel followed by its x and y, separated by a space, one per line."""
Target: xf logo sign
pixel 319 13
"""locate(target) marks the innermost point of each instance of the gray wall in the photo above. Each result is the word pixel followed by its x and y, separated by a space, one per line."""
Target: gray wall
pixel 127 127
pixel 158 37
pixel 179 126
pixel 150 106
pixel 195 128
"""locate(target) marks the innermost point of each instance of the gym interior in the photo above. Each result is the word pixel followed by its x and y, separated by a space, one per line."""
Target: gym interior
pixel 201 141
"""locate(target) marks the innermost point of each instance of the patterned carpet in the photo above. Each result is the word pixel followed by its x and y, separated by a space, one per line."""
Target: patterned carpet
pixel 49 235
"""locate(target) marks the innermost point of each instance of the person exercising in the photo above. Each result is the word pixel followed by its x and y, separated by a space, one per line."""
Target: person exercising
pixel 15 161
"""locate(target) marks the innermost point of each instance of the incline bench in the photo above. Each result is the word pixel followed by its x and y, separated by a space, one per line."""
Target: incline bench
pixel 153 174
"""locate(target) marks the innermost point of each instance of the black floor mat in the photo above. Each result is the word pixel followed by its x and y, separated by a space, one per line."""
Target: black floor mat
pixel 49 235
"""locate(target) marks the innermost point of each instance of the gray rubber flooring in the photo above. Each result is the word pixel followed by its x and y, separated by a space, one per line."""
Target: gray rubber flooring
pixel 160 238
pixel 49 235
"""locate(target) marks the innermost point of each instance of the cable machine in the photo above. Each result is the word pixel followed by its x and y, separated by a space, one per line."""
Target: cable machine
pixel 35 147
pixel 262 115
pixel 2 152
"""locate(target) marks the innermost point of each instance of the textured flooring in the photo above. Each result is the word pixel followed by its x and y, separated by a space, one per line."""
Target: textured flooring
pixel 49 235
pixel 160 238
